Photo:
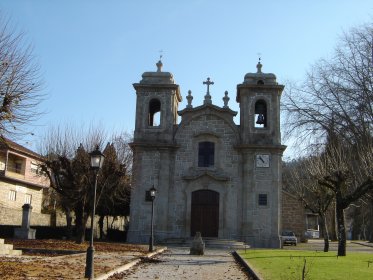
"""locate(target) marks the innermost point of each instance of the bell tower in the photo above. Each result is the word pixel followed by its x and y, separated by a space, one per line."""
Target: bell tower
pixel 259 99
pixel 261 152
pixel 153 146
pixel 157 103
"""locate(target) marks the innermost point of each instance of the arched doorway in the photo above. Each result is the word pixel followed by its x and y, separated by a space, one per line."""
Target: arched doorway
pixel 205 213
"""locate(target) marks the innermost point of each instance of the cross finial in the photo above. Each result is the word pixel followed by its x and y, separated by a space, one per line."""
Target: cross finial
pixel 159 63
pixel 207 96
pixel 208 83
pixel 259 56
pixel 259 65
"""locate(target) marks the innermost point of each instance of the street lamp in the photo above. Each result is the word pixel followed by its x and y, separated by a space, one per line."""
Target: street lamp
pixel 152 193
pixel 97 159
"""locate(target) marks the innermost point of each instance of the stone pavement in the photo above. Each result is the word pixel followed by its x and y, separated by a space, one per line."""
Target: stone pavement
pixel 176 263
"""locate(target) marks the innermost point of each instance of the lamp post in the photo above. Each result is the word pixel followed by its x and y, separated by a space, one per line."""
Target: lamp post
pixel 152 193
pixel 97 159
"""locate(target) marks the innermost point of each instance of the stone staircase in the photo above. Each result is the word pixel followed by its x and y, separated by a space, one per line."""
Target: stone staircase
pixel 7 249
pixel 211 243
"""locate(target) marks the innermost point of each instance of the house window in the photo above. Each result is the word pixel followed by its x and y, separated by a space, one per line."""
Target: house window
pixel 28 198
pixel 12 195
pixel 262 199
pixel 260 120
pixel 34 168
pixel 154 113
pixel 17 167
pixel 206 154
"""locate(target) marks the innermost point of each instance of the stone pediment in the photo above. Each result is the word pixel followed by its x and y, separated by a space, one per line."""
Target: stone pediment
pixel 207 109
pixel 216 174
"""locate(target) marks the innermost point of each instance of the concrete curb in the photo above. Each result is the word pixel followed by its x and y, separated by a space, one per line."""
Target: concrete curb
pixel 129 265
pixel 255 275
pixel 366 244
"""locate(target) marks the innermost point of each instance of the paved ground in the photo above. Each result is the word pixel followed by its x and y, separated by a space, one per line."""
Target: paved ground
pixel 176 263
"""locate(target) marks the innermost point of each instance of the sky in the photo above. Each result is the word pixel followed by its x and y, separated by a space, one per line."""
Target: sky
pixel 91 52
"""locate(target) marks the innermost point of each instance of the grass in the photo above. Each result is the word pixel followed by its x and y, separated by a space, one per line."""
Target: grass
pixel 288 265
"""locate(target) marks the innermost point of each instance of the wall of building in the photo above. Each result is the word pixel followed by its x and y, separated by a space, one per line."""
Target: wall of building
pixel 21 196
pixel 293 215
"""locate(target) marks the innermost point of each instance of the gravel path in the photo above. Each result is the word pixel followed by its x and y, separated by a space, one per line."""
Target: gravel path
pixel 176 263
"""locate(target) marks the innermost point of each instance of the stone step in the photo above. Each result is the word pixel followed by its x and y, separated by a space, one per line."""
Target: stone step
pixel 209 243
pixel 10 252
pixel 7 249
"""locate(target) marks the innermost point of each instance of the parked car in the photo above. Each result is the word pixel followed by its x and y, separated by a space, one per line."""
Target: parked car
pixel 288 238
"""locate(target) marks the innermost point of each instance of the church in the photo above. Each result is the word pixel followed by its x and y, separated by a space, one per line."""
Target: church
pixel 211 175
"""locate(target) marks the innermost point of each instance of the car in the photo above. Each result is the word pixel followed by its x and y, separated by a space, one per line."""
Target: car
pixel 288 238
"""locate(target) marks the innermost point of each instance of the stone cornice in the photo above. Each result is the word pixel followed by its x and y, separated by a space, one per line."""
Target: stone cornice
pixel 193 174
pixel 152 145
pixel 176 87
pixel 276 148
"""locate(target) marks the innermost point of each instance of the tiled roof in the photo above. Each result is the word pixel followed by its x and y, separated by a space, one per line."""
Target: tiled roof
pixel 9 144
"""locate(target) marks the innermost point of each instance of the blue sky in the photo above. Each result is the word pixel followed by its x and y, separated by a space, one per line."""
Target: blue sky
pixel 91 52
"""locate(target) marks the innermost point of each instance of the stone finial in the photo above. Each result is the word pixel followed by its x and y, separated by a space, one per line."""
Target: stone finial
pixel 226 99
pixel 189 98
pixel 208 96
pixel 159 65
pixel 259 67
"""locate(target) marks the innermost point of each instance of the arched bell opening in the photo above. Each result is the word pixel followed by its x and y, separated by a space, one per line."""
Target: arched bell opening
pixel 260 120
pixel 154 118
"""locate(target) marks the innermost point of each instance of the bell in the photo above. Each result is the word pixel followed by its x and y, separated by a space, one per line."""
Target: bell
pixel 260 119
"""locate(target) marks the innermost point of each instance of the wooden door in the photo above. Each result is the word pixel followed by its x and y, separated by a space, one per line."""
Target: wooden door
pixel 205 213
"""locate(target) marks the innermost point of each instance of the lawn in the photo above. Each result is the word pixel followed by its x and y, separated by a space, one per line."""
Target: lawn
pixel 288 265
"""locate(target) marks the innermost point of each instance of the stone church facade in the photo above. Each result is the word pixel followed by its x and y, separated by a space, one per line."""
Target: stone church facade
pixel 212 176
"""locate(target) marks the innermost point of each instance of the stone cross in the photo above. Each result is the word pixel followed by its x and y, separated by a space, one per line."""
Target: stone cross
pixel 208 83
pixel 207 96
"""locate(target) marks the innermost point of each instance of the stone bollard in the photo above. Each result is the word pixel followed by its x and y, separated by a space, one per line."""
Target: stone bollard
pixel 198 246
pixel 25 232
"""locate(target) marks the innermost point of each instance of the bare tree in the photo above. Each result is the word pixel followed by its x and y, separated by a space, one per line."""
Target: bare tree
pixel 299 180
pixel 347 172
pixel 338 89
pixel 68 168
pixel 20 82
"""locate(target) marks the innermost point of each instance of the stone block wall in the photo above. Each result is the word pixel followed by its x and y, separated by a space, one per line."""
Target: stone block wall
pixel 21 191
pixel 13 217
pixel 293 215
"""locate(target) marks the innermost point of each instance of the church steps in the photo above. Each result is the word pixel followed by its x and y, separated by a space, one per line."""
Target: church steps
pixel 212 243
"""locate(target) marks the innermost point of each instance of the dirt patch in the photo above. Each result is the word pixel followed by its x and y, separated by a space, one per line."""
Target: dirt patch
pixel 108 256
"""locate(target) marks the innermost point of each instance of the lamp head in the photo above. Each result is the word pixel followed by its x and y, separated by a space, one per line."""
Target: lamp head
pixel 97 159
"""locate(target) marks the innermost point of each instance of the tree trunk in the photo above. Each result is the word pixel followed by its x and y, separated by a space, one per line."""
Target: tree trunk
pixel 101 226
pixel 333 234
pixel 69 228
pixel 341 228
pixel 324 230
pixel 371 221
pixel 81 222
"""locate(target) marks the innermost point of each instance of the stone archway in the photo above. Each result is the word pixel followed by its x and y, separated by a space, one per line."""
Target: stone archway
pixel 205 213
